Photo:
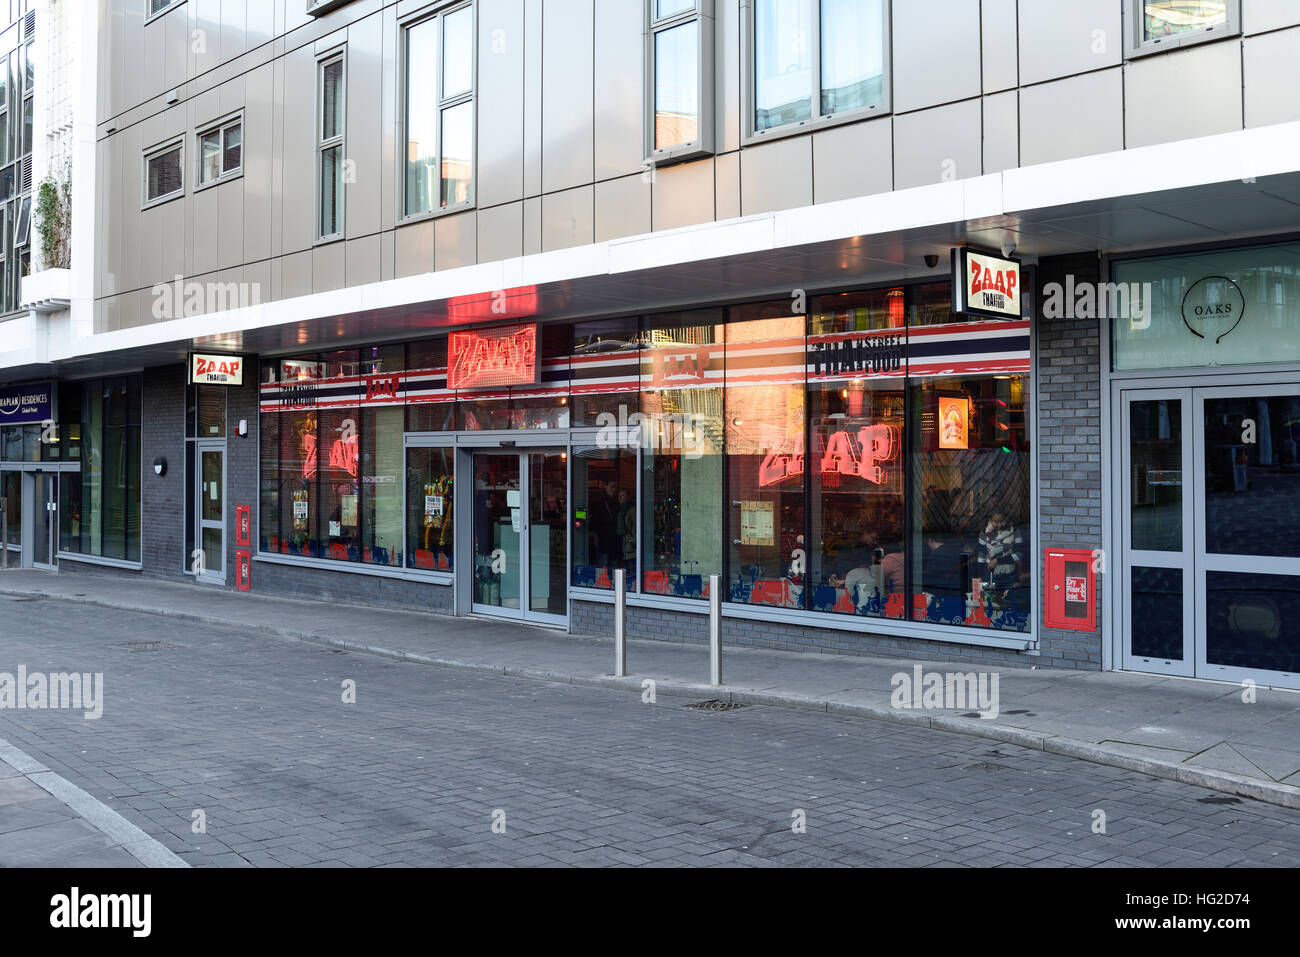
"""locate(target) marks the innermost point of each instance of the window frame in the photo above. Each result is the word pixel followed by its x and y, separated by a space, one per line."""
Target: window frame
pixel 818 120
pixel 152 13
pixel 1135 47
pixel 220 127
pixel 703 145
pixel 153 152
pixel 338 54
pixel 437 11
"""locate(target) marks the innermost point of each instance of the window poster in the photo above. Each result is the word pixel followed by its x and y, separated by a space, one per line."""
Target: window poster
pixel 757 523
pixel 954 422
pixel 349 510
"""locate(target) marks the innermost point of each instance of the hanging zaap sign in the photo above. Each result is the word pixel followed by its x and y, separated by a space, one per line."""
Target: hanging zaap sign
pixel 492 357
pixel 29 404
pixel 216 370
pixel 985 285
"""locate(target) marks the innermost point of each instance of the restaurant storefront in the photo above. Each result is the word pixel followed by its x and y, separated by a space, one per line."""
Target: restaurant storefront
pixel 859 461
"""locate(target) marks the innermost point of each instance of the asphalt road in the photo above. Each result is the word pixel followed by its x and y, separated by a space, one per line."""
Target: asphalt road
pixel 432 766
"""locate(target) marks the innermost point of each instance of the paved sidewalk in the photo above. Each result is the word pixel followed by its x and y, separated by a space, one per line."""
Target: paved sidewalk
pixel 1198 732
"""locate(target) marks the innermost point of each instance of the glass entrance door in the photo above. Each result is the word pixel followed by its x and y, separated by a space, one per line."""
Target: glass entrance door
pixel 1211 533
pixel 45 519
pixel 11 490
pixel 520 536
pixel 209 560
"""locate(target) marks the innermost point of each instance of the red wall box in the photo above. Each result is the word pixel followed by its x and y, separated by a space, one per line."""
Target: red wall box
pixel 243 570
pixel 243 527
pixel 1069 589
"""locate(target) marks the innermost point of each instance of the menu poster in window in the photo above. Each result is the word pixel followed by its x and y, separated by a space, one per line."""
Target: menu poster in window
pixel 757 523
pixel 945 422
pixel 299 507
pixel 348 507
pixel 433 506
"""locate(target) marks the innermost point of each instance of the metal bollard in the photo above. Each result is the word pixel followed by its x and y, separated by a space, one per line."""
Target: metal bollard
pixel 620 623
pixel 715 630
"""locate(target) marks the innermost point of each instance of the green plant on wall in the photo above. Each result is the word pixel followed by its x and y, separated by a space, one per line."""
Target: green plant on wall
pixel 54 220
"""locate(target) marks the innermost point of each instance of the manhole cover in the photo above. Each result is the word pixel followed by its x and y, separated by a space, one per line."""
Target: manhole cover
pixel 1218 800
pixel 151 645
pixel 985 766
pixel 715 704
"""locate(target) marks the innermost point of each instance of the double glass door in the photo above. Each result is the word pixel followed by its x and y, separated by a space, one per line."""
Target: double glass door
pixel 1211 532
pixel 521 535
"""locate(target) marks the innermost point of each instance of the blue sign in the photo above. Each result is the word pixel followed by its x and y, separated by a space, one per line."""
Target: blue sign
pixel 29 404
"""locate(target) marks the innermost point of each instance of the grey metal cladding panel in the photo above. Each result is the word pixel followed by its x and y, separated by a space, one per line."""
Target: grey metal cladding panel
pixel 533 99
pixel 153 65
pixel 1060 39
pixel 174 241
pixel 128 268
pixel 390 37
pixel 500 101
pixel 230 219
pixel 1078 116
pixel 455 240
pixel 1271 64
pixel 295 275
pixel 567 219
pixel 618 87
pixel 113 211
pixel 776 175
pixel 567 121
pixel 363 83
pixel 622 207
pixel 259 155
pixel 414 249
pixel 532 225
pixel 682 194
pixel 234 27
pixel 205 31
pixel 1260 15
pixel 501 232
pixel 204 221
pixel 177 49
pixel 727 65
pixel 936 52
pixel 726 185
pixel 999 41
pixel 363 261
pixel 933 146
pixel 1001 129
pixel 328 269
pixel 133 53
pixel 298 190
pixel 853 160
pixel 1203 83
pixel 261 23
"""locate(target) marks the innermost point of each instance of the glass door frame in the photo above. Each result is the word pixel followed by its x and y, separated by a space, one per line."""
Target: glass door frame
pixel 50 501
pixel 1249 564
pixel 521 443
pixel 1131 558
pixel 198 487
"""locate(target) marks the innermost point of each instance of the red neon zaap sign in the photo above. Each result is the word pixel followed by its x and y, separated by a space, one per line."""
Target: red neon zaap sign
pixel 497 357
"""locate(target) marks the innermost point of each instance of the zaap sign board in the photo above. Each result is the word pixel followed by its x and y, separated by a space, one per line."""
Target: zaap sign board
pixel 985 284
pixel 495 357
pixel 216 370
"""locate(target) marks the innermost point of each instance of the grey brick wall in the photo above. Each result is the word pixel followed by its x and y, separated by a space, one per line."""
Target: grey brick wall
pixel 295 581
pixel 162 498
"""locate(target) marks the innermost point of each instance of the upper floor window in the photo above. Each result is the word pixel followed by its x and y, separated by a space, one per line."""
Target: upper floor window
pixel 813 61
pixel 1155 25
pixel 221 151
pixel 158 6
pixel 439 123
pixel 330 145
pixel 679 74
pixel 163 173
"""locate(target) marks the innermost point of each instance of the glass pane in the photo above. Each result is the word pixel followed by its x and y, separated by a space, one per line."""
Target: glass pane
pixel 1252 476
pixel 1156 460
pixel 211 411
pixel 299 483
pixel 233 150
pixel 668 8
pixel 457 154
pixel 548 543
pixel 210 156
pixel 331 189
pixel 783 80
pixel 970 560
pixel 430 509
pixel 165 174
pixel 381 486
pixel 857 553
pixel 853 55
pixel 340 491
pixel 213 558
pixel 605 366
pixel 1156 610
pixel 332 100
pixel 677 93
pixel 11 490
pixel 1167 18
pixel 604 516
pixel 1253 621
pixel 271 539
pixel 211 491
pixel 498 514
pixel 41 536
pixel 458 53
pixel 421 116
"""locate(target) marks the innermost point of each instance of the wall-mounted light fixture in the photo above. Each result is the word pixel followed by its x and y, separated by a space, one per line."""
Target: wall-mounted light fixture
pixel 160 465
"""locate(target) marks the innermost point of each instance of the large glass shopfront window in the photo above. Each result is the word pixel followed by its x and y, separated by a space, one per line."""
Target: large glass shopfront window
pixel 430 512
pixel 100 507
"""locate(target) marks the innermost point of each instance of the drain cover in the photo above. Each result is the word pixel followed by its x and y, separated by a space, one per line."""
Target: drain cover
pixel 716 704
pixel 985 766
pixel 151 645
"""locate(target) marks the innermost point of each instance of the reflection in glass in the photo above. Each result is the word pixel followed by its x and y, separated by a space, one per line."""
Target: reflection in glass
pixel 210 155
pixel 668 8
pixel 421 116
pixel 430 515
pixel 381 486
pixel 1253 621
pixel 458 52
pixel 1252 476
pixel 457 153
pixel 677 95
pixel 498 514
pixel 604 516
pixel 1156 613
pixel 547 532
pixel 11 487
pixel 1156 460
pixel 783 79
pixel 1167 18
pixel 853 55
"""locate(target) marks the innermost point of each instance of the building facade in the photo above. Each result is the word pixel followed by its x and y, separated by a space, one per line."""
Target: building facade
pixel 946 328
